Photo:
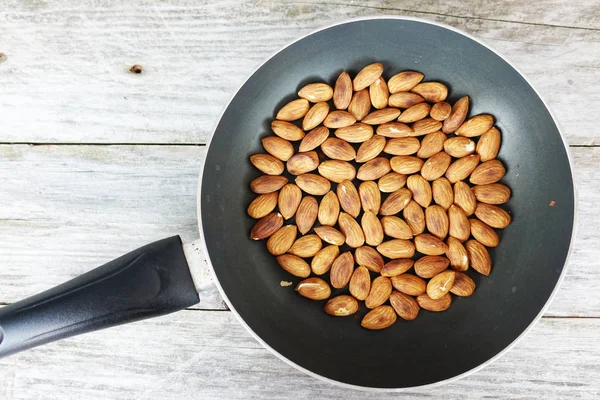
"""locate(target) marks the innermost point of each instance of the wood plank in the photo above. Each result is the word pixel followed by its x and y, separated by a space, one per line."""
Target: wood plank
pixel 66 79
pixel 68 209
pixel 209 355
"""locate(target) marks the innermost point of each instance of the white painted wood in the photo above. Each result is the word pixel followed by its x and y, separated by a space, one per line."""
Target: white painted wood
pixel 66 75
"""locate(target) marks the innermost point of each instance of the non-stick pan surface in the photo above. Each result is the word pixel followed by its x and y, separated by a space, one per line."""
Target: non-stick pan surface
pixel 527 265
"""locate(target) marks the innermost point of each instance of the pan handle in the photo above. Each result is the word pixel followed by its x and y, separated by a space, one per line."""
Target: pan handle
pixel 150 281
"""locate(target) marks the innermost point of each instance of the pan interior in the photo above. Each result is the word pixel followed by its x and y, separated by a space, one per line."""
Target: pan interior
pixel 436 346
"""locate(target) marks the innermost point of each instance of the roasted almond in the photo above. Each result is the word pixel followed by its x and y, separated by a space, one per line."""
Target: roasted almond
pixel 425 126
pixel 404 99
pixel 381 116
pixel 436 166
pixel 360 283
pixel 313 184
pixel 431 144
pixel 321 262
pixel 397 267
pixel 341 306
pixel 372 228
pixel 492 215
pixel 457 254
pixel 436 220
pixel 483 233
pixel 338 149
pixel 263 205
pixel 349 198
pixel 406 164
pixel 370 149
pixel 479 257
pixel 293 110
pixel 306 246
pixel 302 163
pixel 420 189
pixel 287 130
pixel 459 226
pixel 396 227
pixel 459 146
pixel 457 116
pixel 489 172
pixel 489 145
pixel 341 270
pixel 342 92
pixel 351 230
pixel 314 139
pixel 381 288
pixel 378 91
pixel 367 76
pixel 397 248
pixel 432 92
pixel 294 265
pixel 430 266
pixel 414 217
pixel 409 284
pixel 316 92
pixel 429 304
pixel 314 289
pixel 329 209
pixel 476 126
pixel 306 214
pixel 440 111
pixel 281 241
pixel 374 169
pixel 440 284
pixel 463 285
pixel 369 257
pixel 395 202
pixel 430 245
pixel 356 133
pixel 337 170
pixel 330 235
pixel 290 197
pixel 370 196
pixel 494 193
pixel 379 318
pixel 460 169
pixel 394 130
pixel 268 183
pixel 404 81
pixel 402 146
pixel 415 113
pixel 360 104
pixel 315 115
pixel 405 306
pixel 266 226
pixel 464 197
pixel 442 193
pixel 278 147
pixel 391 182
pixel 339 119
pixel 267 164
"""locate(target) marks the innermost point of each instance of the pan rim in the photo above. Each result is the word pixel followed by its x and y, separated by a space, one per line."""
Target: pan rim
pixel 429 385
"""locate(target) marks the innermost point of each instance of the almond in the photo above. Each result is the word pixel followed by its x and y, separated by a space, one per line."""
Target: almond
pixel 431 144
pixel 463 285
pixel 430 245
pixel 391 182
pixel 341 270
pixel 314 139
pixel 415 113
pixel 372 228
pixel 322 261
pixel 356 133
pixel 404 99
pixel 351 229
pixel 479 257
pixel 370 196
pixel 489 145
pixel 367 76
pixel 370 149
pixel 313 184
pixel 494 193
pixel 341 306
pixel 406 164
pixel 267 164
pixel 374 169
pixel 293 110
pixel 338 149
pixel 459 226
pixel 457 254
pixel 394 130
pixel 437 221
pixel 492 215
pixel 438 305
pixel 397 267
pixel 440 111
pixel 425 126
pixel 409 284
pixel 268 183
pixel 369 257
pixel 432 92
pixel 459 146
pixel 360 104
pixel 315 116
pixel 430 266
pixel 420 189
pixel 404 81
pixel 330 235
pixel 278 147
pixel 395 202
pixel 440 284
pixel 360 283
pixel 281 241
pixel 381 116
pixel 442 193
pixel 457 116
pixel 414 217
pixel 436 166
pixel 316 92
pixel 488 172
pixel 381 288
pixel 314 289
pixel 294 265
pixel 476 126
pixel 287 130
pixel 396 227
pixel 263 205
pixel 306 214
pixel 379 318
pixel 289 200
pixel 460 169
pixel 329 209
pixel 301 163
pixel 342 92
pixel 397 248
pixel 405 306
pixel 378 91
pixel 464 197
pixel 483 233
pixel 306 246
pixel 337 170
pixel 339 119
pixel 349 198
pixel 402 146
pixel 266 226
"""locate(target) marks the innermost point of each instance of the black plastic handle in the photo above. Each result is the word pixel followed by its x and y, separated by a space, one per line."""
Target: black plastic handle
pixel 150 281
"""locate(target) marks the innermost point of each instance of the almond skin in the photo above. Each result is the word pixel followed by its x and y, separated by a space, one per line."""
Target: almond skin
pixel 431 144
pixel 330 235
pixel 405 306
pixel 349 198
pixel 397 267
pixel 329 209
pixel 278 147
pixel 338 149
pixel 430 245
pixel 402 146
pixel 360 104
pixel 294 265
pixel 337 170
pixel 267 183
pixel 306 215
pixel 483 233
pixel 293 110
pixel 266 226
pixel 287 130
pixel 381 288
pixel 322 261
pixel 415 113
pixel 369 257
pixel 316 92
pixel 464 197
pixel 367 76
pixel 314 289
pixel 459 146
pixel 404 100
pixel 372 229
pixel 315 116
pixel 426 126
pixel 370 196
pixel 263 205
pixel 391 182
pixel 394 130
pixel 494 193
pixel 436 166
pixel 438 305
pixel 459 226
pixel 460 169
pixel 267 164
pixel 313 184
pixel 306 246
pixel 430 266
pixel 342 92
pixel 492 215
pixel 440 284
pixel 381 116
pixel 396 227
pixel 397 248
pixel 290 197
pixel 457 116
pixel 341 270
pixel 488 172
pixel 409 284
pixel 379 318
pixel 421 190
pixel 476 126
pixel 457 254
pixel 406 164
pixel 414 217
pixel 489 145
pixel 379 93
pixel 432 92
pixel 395 202
pixel 440 111
pixel 442 192
pixel 479 257
pixel 314 139
pixel 281 241
pixel 351 230
pixel 302 163
pixel 360 283
pixel 374 169
pixel 370 149
pixel 436 221
pixel 463 285
pixel 341 306
pixel 355 133
pixel 339 119
pixel 404 81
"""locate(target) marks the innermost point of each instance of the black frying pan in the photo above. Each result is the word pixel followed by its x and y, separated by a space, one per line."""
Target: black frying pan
pixel 527 265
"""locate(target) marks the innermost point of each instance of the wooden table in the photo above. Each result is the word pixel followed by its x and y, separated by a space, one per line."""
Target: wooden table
pixel 95 161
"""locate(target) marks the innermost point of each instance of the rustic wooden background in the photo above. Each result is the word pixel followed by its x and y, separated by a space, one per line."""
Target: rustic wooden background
pixel 95 161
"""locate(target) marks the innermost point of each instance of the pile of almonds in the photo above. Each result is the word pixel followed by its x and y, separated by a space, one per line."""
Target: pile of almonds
pixel 426 184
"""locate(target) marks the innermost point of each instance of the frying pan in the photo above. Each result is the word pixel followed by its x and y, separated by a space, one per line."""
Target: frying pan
pixel 436 347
